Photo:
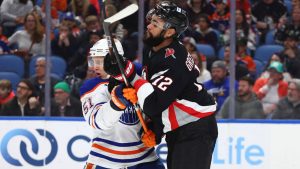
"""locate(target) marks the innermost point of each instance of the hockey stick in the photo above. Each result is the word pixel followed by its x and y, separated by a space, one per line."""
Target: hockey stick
pixel 149 136
pixel 129 10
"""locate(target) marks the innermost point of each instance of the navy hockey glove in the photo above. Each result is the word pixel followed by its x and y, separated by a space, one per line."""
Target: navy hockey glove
pixel 122 97
pixel 114 70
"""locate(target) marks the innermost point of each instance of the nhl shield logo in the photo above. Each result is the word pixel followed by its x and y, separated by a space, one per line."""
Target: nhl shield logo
pixel 170 52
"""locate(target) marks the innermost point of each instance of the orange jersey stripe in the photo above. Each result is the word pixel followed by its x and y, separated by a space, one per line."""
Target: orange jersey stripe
pixel 93 121
pixel 89 166
pixel 119 152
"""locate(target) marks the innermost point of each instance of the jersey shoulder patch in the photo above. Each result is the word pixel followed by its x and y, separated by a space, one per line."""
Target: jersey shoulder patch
pixel 90 84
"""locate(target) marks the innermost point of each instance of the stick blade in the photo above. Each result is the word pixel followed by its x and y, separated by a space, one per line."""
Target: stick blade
pixel 129 10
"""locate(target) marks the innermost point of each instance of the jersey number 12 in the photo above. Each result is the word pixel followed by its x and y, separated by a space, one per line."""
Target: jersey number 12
pixel 162 82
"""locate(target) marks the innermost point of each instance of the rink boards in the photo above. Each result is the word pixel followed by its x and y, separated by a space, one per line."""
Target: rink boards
pixel 60 143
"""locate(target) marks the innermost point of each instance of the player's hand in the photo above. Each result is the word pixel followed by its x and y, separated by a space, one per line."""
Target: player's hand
pixel 148 138
pixel 130 94
pixel 113 69
pixel 118 99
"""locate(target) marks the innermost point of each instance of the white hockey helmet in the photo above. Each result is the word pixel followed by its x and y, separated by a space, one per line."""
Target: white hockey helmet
pixel 100 48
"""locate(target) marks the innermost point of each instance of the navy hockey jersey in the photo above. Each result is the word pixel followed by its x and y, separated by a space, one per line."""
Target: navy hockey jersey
pixel 171 92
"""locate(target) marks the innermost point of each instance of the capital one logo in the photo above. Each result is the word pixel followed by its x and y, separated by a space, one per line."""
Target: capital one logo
pixel 27 135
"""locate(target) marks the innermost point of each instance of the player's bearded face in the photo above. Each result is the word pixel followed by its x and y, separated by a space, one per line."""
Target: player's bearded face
pixel 150 40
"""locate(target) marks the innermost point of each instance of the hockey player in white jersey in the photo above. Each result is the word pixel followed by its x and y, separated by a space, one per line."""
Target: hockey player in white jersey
pixel 117 140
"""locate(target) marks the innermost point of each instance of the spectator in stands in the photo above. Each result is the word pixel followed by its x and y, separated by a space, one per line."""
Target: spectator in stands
pixel 286 25
pixel 65 44
pixel 295 3
pixel 247 106
pixel 243 5
pixel 241 69
pixel 289 107
pixel 290 56
pixel 243 57
pixel 25 103
pixel 130 23
pixel 92 26
pixel 272 89
pixel 4 49
pixel 79 59
pixel 190 44
pixel 266 15
pixel 6 92
pixel 96 4
pixel 82 9
pixel 286 76
pixel 3 38
pixel 3 42
pixel 32 38
pixel 57 7
pixel 13 13
pixel 67 105
pixel 220 18
pixel 243 31
pixel 93 23
pixel 204 33
pixel 116 28
pixel 218 86
pixel 68 19
pixel 38 79
pixel 200 59
pixel 195 8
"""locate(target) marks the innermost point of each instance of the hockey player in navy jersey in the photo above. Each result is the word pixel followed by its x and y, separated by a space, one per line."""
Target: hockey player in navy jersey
pixel 117 142
pixel 169 93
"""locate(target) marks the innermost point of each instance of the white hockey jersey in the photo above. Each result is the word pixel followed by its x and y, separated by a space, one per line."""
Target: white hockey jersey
pixel 116 142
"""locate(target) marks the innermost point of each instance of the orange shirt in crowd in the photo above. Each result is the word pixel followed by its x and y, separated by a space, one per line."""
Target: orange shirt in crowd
pixel 248 62
pixel 260 82
pixel 56 5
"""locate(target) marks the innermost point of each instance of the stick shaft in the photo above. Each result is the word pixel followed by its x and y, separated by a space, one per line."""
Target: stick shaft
pixel 114 53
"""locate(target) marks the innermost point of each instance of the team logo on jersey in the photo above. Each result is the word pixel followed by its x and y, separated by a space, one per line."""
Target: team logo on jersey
pixel 170 52
pixel 129 117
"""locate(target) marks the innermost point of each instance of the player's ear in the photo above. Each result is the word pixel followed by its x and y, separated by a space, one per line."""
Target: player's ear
pixel 170 32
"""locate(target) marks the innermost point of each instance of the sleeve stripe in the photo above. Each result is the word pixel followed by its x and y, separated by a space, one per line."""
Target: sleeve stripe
pixel 192 111
pixel 94 88
pixel 92 116
pixel 172 117
pixel 92 120
pixel 139 83
pixel 144 92
pixel 96 125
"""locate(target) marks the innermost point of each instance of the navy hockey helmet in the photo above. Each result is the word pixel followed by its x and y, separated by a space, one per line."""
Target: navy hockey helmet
pixel 174 16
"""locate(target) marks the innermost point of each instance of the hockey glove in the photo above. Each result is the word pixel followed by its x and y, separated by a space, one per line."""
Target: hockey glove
pixel 114 70
pixel 148 138
pixel 130 94
pixel 112 83
pixel 122 97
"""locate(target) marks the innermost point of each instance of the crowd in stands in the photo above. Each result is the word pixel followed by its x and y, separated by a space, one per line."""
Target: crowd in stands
pixel 267 55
